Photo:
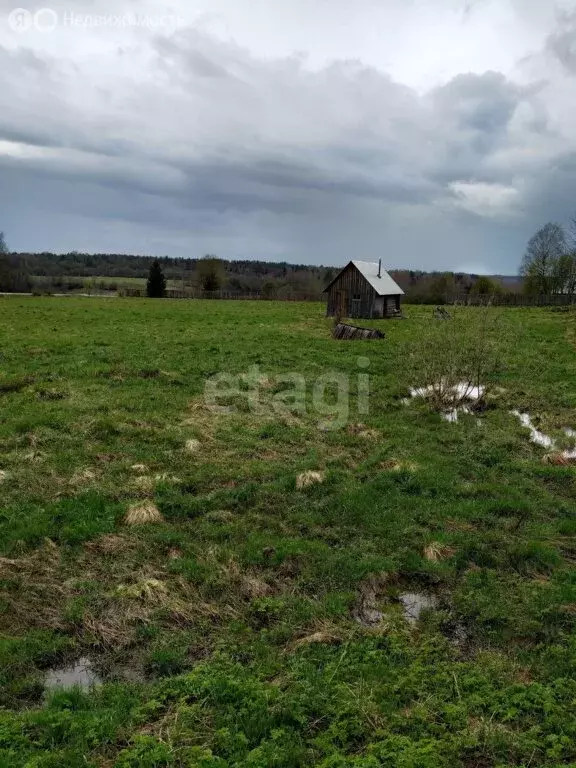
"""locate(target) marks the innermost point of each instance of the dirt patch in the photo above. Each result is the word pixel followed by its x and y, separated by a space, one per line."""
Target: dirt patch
pixel 366 608
pixel 559 460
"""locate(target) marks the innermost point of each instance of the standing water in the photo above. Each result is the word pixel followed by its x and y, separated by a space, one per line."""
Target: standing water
pixel 80 674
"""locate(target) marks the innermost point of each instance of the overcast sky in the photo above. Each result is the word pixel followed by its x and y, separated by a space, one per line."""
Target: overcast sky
pixel 434 134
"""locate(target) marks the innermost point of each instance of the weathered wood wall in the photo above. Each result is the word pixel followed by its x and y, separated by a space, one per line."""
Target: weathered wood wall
pixel 354 284
pixel 370 305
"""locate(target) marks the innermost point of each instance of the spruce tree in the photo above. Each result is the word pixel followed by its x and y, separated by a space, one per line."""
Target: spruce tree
pixel 156 286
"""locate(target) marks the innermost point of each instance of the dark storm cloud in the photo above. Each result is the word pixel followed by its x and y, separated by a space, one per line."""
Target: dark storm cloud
pixel 196 138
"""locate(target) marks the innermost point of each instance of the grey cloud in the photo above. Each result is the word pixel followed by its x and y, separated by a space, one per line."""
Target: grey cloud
pixel 562 42
pixel 265 157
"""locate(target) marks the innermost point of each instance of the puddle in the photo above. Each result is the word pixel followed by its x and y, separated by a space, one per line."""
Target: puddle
pixel 414 603
pixel 81 674
pixel 545 441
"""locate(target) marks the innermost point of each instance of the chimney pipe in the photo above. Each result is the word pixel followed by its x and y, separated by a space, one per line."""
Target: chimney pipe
pixel 379 268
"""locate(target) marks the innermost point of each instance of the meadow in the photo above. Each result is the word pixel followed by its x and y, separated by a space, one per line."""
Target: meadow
pixel 245 585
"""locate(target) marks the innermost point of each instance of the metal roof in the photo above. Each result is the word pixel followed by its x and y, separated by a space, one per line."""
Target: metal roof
pixel 383 285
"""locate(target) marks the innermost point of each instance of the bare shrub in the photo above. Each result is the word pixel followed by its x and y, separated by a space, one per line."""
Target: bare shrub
pixel 454 361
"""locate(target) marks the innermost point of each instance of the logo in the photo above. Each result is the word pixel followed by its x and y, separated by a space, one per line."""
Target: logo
pixel 46 20
pixel 20 20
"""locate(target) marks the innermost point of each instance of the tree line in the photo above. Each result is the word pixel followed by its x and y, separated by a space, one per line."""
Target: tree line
pixel 82 272
pixel 549 264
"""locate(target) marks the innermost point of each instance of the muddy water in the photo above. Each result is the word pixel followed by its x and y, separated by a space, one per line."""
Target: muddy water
pixel 80 674
pixel 414 603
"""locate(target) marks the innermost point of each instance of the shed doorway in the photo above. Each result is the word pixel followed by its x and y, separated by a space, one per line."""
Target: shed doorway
pixel 342 303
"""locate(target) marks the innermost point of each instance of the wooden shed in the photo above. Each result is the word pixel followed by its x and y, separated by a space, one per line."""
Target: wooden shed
pixel 363 289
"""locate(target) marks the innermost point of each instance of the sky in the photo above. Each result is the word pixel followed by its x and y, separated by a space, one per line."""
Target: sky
pixel 431 134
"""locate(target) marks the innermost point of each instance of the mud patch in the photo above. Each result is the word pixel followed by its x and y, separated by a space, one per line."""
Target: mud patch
pixel 366 610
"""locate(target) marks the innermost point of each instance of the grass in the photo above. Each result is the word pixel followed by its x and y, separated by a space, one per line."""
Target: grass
pixel 222 597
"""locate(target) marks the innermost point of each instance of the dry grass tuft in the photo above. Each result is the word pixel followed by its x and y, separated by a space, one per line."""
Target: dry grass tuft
pixel 111 544
pixel 436 552
pixel 38 589
pixel 192 446
pixel 143 484
pixel 220 516
pixel 458 525
pixel 245 584
pixel 306 479
pixel 393 465
pixel 253 587
pixel 321 638
pixel 140 468
pixel 143 514
pixel 82 477
pixel 361 430
pixel 150 590
pixel 164 477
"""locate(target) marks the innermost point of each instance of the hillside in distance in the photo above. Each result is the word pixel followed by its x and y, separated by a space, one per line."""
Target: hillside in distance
pixel 237 276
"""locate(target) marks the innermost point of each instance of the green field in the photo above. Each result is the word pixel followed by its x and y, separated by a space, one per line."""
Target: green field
pixel 252 621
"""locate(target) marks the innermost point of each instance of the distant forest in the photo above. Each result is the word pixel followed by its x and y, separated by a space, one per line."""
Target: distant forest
pixel 50 272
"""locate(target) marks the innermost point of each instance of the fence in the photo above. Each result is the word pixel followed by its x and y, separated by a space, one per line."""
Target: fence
pixel 190 293
pixel 513 300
